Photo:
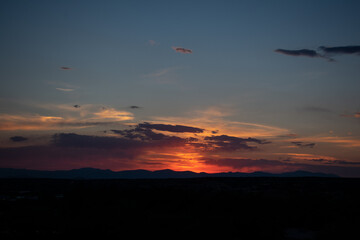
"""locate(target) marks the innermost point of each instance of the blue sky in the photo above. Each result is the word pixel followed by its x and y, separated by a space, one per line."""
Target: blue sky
pixel 120 54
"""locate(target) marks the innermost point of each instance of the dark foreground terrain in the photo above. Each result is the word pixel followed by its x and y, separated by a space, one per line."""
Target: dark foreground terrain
pixel 202 208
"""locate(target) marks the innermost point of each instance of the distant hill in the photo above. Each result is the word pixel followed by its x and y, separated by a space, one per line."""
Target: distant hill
pixel 93 173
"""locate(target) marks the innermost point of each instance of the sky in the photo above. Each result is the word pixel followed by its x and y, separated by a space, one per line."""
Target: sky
pixel 203 86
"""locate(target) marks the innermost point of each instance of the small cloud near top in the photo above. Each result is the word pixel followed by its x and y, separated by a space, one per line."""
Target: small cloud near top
pixel 182 50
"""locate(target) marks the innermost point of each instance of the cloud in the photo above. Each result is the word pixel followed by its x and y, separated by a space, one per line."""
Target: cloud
pixel 216 119
pixel 341 50
pixel 341 162
pixel 65 68
pixel 304 145
pixel 134 107
pixel 65 89
pixel 231 143
pixel 171 128
pixel 354 115
pixel 18 139
pixel 302 52
pixel 224 143
pixel 327 51
pixel 142 134
pixel 305 156
pixel 86 116
pixel 139 147
pixel 182 50
pixel 348 142
pixel 113 114
pixel 152 42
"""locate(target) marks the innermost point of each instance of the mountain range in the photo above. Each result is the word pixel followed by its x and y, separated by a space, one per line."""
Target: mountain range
pixel 94 173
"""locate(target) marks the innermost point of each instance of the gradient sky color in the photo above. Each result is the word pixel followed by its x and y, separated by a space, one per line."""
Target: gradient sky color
pixel 123 84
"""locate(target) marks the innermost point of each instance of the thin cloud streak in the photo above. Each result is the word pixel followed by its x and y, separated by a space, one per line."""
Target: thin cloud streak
pixel 65 89
pixel 80 118
pixel 303 52
pixel 182 50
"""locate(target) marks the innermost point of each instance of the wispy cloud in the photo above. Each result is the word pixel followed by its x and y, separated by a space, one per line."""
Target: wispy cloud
pixel 152 42
pixel 348 142
pixel 67 117
pixel 65 89
pixel 182 50
pixel 352 115
pixel 165 75
pixel 113 114
pixel 217 119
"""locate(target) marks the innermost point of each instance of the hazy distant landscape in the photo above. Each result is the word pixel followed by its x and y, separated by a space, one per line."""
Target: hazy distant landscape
pixel 93 173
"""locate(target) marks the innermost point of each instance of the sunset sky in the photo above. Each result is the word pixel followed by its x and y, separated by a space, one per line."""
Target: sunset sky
pixel 203 86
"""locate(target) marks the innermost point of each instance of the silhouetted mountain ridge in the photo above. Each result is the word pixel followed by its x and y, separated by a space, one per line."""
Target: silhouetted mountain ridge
pixel 94 173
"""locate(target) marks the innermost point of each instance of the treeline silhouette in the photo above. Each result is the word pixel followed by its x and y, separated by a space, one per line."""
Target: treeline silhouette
pixel 223 208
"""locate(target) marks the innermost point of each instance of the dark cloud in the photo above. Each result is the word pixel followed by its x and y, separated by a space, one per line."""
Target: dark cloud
pixel 230 143
pixel 302 52
pixel 144 132
pixel 18 139
pixel 65 68
pixel 171 128
pixel 341 50
pixel 304 145
pixel 134 107
pixel 182 50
